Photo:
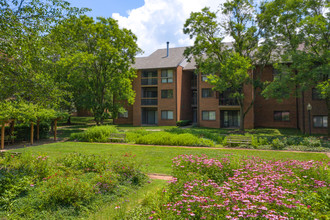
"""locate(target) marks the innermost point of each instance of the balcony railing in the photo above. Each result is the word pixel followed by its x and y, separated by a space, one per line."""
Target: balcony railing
pixel 149 101
pixel 194 101
pixel 149 81
pixel 228 101
pixel 194 83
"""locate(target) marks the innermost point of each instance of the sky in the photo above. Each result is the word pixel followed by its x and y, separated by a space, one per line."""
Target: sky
pixel 154 22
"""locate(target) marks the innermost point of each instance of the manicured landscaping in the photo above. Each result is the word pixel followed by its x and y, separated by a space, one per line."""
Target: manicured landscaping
pixel 68 186
pixel 101 180
pixel 157 159
pixel 79 179
pixel 227 188
pixel 262 139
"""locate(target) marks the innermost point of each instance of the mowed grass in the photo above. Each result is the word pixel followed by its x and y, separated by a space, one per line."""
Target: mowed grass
pixel 158 159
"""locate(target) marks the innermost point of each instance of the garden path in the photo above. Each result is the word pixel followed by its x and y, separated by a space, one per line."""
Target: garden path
pixel 160 176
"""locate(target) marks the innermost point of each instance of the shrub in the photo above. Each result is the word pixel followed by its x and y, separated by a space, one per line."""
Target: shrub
pixel 311 142
pixel 22 132
pixel 183 123
pixel 165 138
pixel 277 144
pixel 66 191
pixel 87 163
pixel 95 134
pixel 106 182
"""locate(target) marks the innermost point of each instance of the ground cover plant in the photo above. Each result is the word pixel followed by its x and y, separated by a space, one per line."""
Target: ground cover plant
pixel 69 186
pixel 227 188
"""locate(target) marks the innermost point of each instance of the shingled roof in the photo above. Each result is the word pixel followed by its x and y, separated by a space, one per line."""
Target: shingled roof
pixel 159 59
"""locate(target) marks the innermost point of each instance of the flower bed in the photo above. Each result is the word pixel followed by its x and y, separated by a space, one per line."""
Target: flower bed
pixel 206 188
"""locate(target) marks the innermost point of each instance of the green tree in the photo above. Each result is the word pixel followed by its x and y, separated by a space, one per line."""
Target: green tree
pixel 301 27
pixel 23 23
pixel 230 66
pixel 96 58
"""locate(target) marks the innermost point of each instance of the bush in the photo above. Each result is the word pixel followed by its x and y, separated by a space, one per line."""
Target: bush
pixel 22 132
pixel 183 123
pixel 34 188
pixel 66 191
pixel 311 142
pixel 106 182
pixel 87 163
pixel 165 138
pixel 95 134
pixel 277 144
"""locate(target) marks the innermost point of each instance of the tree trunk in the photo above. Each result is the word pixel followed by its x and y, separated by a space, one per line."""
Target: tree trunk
pixel 55 129
pixel 38 130
pixel 69 121
pixel 32 132
pixel 12 126
pixel 3 136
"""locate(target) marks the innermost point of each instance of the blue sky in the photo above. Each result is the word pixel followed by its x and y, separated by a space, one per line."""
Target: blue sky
pixel 154 22
pixel 105 8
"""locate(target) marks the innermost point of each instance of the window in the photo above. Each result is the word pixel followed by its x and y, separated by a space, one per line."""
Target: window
pixel 167 76
pixel 230 118
pixel 167 115
pixel 208 115
pixel 281 116
pixel 204 78
pixel 167 94
pixel 207 93
pixel 149 73
pixel 123 115
pixel 226 97
pixel 316 95
pixel 320 121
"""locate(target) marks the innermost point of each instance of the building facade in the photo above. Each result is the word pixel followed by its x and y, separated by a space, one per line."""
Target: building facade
pixel 168 90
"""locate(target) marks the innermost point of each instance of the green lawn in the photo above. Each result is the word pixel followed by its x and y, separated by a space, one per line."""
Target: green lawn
pixel 157 159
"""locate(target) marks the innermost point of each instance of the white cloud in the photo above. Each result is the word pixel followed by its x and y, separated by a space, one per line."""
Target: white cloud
pixel 159 21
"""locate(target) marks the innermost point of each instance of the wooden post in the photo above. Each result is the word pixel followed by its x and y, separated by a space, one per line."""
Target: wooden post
pixel 32 128
pixel 38 132
pixel 3 136
pixel 55 129
pixel 12 126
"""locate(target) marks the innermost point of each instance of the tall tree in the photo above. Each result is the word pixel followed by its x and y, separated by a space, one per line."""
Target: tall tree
pixel 229 67
pixel 301 29
pixel 97 57
pixel 23 23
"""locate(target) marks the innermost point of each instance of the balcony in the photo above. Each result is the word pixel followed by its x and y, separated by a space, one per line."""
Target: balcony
pixel 149 101
pixel 194 83
pixel 150 81
pixel 224 101
pixel 194 101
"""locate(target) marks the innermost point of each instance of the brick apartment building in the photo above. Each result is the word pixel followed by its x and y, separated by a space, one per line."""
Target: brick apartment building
pixel 168 90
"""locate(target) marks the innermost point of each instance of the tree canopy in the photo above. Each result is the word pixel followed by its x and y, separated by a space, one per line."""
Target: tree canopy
pixel 229 66
pixel 95 58
pixel 301 31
